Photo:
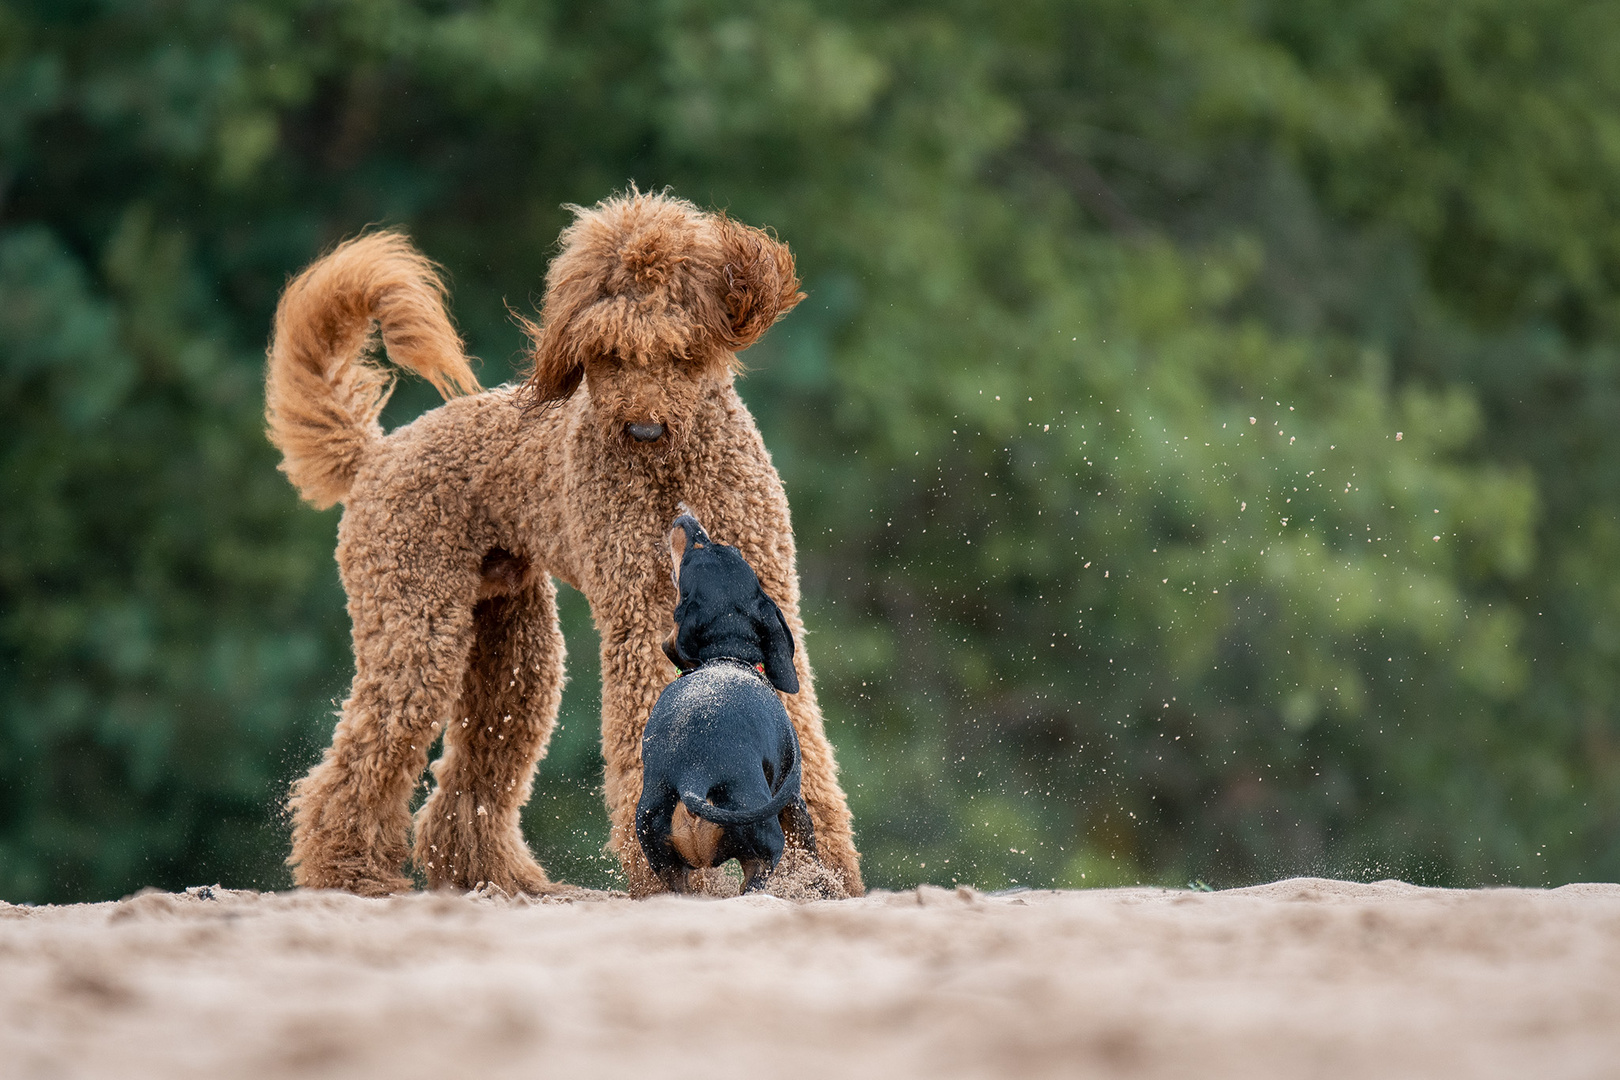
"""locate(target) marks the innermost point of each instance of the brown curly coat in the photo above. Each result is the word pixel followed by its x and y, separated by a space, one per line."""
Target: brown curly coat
pixel 455 524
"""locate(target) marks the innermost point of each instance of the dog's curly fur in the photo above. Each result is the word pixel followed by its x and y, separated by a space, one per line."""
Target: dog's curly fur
pixel 454 526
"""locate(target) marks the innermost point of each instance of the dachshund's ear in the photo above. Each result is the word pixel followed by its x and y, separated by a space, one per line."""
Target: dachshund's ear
pixel 758 283
pixel 672 651
pixel 683 646
pixel 778 646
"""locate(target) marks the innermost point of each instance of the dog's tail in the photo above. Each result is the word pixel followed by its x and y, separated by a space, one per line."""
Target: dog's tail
pixel 698 806
pixel 322 392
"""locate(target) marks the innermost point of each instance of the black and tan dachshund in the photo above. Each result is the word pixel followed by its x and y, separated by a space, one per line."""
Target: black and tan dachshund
pixel 720 761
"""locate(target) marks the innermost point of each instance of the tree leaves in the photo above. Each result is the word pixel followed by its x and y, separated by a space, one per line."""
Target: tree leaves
pixel 1148 349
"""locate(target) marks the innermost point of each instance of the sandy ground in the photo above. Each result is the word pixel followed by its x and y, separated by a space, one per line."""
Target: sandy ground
pixel 1302 978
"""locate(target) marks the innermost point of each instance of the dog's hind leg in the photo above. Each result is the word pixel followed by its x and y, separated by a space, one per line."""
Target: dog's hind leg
pixel 351 814
pixel 468 833
pixel 755 873
pixel 655 814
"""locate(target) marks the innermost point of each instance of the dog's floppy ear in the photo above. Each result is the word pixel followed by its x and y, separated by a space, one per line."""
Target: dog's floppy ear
pixel 558 366
pixel 758 283
pixel 672 650
pixel 778 646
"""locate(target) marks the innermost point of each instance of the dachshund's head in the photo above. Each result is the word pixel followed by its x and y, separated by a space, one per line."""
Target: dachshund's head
pixel 723 610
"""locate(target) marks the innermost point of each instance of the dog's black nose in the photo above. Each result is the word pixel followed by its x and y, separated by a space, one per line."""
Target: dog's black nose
pixel 649 432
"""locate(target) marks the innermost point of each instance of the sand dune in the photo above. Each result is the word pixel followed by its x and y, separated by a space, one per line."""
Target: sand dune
pixel 1303 978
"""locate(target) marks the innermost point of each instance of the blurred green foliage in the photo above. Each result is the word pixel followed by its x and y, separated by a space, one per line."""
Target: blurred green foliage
pixel 1203 431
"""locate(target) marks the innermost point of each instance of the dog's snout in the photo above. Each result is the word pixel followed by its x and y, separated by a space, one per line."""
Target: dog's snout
pixel 651 431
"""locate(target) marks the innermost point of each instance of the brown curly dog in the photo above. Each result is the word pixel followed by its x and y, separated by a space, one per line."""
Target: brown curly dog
pixel 455 524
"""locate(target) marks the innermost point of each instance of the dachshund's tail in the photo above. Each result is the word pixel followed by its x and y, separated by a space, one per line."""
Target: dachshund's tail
pixel 787 793
pixel 322 393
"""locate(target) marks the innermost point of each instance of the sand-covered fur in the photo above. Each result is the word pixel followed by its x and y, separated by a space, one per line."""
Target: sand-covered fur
pixel 455 525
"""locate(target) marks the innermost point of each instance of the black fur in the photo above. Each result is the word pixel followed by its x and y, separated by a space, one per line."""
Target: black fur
pixel 718 740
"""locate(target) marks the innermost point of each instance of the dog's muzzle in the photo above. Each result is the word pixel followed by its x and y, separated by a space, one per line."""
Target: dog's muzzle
pixel 648 432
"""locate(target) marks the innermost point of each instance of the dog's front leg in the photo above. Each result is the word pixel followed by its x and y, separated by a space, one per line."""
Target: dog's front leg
pixel 634 671
pixel 766 540
pixel 798 829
